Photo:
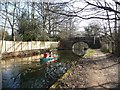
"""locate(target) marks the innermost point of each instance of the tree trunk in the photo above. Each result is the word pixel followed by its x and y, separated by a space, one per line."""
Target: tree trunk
pixel 117 33
pixel 12 33
pixel 117 43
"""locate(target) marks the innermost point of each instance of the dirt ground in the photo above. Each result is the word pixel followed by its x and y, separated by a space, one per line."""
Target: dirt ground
pixel 94 73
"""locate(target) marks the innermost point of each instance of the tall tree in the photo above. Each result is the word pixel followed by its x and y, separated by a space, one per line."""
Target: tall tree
pixel 26 30
pixel 11 16
pixel 114 9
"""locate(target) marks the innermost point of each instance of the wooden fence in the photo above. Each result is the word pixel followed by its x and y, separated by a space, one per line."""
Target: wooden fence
pixel 11 46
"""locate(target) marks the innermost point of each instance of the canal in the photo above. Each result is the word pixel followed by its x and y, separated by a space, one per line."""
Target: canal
pixel 27 72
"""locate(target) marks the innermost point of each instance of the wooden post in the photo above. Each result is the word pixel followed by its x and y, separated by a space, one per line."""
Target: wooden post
pixel 21 47
pixel 94 40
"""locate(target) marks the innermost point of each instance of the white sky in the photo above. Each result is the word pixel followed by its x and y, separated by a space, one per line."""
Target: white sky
pixel 80 24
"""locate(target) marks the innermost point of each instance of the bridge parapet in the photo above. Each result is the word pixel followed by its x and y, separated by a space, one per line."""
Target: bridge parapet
pixel 68 43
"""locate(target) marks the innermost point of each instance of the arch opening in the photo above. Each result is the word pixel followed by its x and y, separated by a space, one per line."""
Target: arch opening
pixel 79 48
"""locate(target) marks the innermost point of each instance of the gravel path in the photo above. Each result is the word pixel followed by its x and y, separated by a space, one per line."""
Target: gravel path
pixel 93 73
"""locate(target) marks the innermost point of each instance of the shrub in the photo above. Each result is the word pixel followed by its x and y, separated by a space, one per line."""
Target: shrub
pixel 104 50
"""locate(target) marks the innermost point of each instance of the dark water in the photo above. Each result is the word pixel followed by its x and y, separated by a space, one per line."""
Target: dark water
pixel 29 73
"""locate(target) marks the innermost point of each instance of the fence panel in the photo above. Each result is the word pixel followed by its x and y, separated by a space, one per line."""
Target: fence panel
pixel 11 46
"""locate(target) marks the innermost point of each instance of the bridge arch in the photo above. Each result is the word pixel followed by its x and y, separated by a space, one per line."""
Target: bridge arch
pixel 67 44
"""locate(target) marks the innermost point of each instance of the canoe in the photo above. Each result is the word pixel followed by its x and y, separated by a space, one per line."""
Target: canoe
pixel 49 59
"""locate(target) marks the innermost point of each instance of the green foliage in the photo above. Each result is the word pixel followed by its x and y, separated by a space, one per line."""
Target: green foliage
pixel 43 36
pixel 104 50
pixel 28 29
pixel 89 53
pixel 44 25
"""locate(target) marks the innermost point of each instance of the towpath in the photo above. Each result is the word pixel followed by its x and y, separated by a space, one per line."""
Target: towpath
pixel 96 72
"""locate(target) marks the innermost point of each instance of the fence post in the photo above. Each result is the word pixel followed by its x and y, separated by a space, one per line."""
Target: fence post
pixel 31 46
pixel 21 47
pixel 14 45
pixel 5 46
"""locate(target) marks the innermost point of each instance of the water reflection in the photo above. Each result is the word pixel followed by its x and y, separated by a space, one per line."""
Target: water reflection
pixel 29 73
pixel 79 48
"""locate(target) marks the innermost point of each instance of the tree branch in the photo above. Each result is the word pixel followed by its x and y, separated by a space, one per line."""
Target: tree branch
pixel 74 15
pixel 102 7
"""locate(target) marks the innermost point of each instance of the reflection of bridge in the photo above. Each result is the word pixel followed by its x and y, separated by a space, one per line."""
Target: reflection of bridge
pixel 67 44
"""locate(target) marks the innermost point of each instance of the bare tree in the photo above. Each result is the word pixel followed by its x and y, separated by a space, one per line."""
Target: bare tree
pixel 96 9
pixel 11 16
pixel 116 32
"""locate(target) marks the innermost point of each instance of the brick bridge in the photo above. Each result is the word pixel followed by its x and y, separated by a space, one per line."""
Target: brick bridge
pixel 68 43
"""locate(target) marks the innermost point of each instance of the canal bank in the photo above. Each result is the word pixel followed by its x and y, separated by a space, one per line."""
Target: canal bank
pixel 56 84
pixel 25 53
pixel 100 71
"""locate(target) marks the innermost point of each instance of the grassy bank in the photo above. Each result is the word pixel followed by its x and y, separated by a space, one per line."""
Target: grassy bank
pixel 89 53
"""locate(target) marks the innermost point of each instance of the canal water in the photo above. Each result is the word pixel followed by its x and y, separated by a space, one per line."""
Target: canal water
pixel 29 73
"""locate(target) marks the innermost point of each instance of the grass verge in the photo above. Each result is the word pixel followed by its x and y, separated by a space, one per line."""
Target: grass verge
pixel 89 53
